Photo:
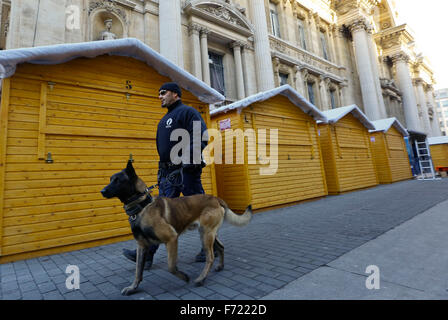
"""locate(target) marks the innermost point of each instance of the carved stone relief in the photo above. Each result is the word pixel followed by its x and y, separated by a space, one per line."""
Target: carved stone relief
pixel 109 6
pixel 223 13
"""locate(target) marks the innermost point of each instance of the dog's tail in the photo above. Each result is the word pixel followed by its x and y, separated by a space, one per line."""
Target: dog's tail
pixel 231 217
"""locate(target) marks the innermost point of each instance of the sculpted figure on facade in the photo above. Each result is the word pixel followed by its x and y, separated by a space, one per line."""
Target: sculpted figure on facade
pixel 107 34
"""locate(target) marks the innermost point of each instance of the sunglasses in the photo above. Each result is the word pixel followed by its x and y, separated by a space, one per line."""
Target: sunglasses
pixel 162 92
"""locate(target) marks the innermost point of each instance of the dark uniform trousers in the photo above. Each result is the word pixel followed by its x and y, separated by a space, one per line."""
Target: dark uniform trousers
pixel 176 180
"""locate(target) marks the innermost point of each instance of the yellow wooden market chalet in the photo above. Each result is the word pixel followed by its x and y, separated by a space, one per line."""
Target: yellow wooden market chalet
pixel 346 150
pixel 389 151
pixel 71 115
pixel 439 152
pixel 299 173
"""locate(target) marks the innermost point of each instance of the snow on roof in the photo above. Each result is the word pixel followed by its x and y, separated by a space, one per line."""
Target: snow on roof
pixel 285 90
pixel 129 47
pixel 417 133
pixel 385 124
pixel 337 114
pixel 438 140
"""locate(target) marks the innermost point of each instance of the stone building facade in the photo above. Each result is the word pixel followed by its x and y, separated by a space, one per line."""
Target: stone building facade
pixel 442 109
pixel 334 52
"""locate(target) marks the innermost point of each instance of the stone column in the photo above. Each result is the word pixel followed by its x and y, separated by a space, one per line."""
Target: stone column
pixel 263 62
pixel 194 31
pixel 407 89
pixel 339 96
pixel 435 125
pixel 276 69
pixel 343 93
pixel 313 33
pixel 324 83
pixel 236 46
pixel 250 82
pixel 283 21
pixel 331 33
pixel 170 31
pixel 204 56
pixel 424 107
pixel 364 63
pixel 376 75
pixel 340 43
pixel 298 81
pixel 304 73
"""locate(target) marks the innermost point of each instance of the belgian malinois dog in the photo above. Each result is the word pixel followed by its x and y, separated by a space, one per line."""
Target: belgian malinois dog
pixel 163 220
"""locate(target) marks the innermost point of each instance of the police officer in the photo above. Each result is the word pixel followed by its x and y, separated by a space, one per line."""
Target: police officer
pixel 173 177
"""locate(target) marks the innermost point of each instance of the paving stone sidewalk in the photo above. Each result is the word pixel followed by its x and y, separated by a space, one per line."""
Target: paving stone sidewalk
pixel 276 248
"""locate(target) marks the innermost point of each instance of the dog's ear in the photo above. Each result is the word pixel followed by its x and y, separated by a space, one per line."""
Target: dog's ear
pixel 130 171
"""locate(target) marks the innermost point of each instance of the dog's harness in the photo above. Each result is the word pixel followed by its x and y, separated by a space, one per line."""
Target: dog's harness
pixel 138 202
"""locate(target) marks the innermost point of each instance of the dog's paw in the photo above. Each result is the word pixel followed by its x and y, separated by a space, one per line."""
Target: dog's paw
pixel 219 268
pixel 128 291
pixel 184 276
pixel 199 283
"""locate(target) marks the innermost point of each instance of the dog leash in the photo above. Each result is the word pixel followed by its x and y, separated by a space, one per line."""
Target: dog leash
pixel 149 189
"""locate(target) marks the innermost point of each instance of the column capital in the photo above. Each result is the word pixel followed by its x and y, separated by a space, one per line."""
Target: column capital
pixel 324 79
pixel 305 74
pixel 296 73
pixel 400 57
pixel 344 83
pixel 204 31
pixel 238 44
pixel 429 88
pixel 417 82
pixel 194 28
pixel 333 27
pixel 360 24
pixel 276 65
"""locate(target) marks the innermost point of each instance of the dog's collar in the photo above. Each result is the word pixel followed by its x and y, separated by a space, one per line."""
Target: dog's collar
pixel 137 204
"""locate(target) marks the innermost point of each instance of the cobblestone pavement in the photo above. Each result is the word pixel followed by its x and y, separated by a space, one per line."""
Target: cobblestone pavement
pixel 276 248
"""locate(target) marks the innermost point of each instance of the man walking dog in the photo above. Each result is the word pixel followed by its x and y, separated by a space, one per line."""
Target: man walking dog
pixel 185 177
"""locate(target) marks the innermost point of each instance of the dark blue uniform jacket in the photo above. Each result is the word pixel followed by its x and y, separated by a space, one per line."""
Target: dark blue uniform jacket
pixel 179 116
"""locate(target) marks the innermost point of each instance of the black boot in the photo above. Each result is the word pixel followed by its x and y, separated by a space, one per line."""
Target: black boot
pixel 132 255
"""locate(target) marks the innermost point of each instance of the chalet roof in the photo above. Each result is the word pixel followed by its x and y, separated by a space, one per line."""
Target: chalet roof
pixel 285 90
pixel 128 47
pixel 385 124
pixel 337 114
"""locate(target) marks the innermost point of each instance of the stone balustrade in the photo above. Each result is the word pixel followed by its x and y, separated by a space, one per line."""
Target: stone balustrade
pixel 292 55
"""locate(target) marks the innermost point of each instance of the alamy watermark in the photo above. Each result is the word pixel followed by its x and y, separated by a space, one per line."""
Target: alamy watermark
pixel 373 280
pixel 73 280
pixel 73 17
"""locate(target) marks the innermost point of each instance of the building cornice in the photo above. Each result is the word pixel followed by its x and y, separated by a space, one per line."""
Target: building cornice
pixel 395 40
pixel 220 13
